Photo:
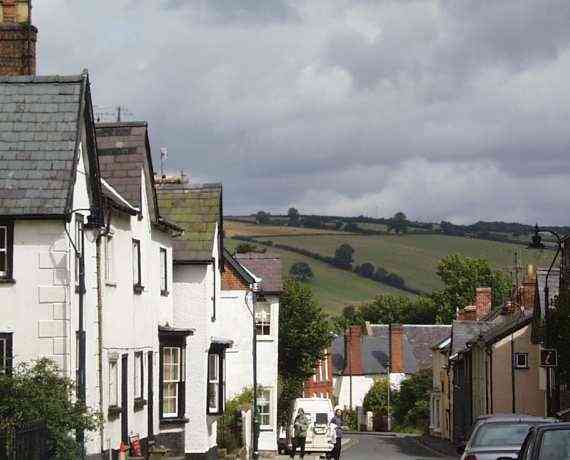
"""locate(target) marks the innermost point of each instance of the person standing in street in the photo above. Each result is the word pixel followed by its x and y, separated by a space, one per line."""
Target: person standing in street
pixel 336 433
pixel 300 428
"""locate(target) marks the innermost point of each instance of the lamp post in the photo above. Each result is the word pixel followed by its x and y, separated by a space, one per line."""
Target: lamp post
pixel 537 243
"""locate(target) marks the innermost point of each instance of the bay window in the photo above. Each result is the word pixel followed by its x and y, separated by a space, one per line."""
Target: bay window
pixel 172 374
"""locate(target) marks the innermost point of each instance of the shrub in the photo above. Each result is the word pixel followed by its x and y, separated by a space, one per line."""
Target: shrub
pixel 301 271
pixel 229 425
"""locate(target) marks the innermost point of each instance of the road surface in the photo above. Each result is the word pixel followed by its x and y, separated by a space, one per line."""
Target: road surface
pixel 370 446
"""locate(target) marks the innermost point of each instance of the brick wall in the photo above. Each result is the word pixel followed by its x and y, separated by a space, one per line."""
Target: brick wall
pixel 17 40
pixel 354 350
pixel 397 348
pixel 314 387
pixel 231 280
pixel 483 301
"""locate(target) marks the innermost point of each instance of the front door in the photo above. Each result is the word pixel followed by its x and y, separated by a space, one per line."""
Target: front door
pixel 125 399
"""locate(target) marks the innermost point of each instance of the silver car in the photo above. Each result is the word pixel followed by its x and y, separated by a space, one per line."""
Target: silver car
pixel 500 436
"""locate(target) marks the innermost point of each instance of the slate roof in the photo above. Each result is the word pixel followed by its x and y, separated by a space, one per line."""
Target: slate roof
pixel 375 352
pixel 512 323
pixel 422 338
pixel 197 209
pixel 464 331
pixel 267 267
pixel 38 138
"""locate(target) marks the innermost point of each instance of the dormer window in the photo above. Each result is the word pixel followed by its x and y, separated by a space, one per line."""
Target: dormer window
pixel 6 250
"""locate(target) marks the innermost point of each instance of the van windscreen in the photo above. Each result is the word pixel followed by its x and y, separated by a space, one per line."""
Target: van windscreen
pixel 321 419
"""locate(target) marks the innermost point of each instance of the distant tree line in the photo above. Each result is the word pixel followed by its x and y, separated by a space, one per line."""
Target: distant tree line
pixel 342 259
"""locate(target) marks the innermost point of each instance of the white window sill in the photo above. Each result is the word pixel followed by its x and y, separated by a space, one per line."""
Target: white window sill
pixel 111 283
pixel 265 338
pixel 266 428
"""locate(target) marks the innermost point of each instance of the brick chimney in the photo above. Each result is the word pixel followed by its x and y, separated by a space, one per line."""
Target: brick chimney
pixel 483 302
pixel 527 290
pixel 354 350
pixel 17 38
pixel 396 348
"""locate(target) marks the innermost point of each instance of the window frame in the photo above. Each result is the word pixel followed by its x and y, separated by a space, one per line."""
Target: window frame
pixel 79 230
pixel 6 342
pixel 137 277
pixel 261 323
pixel 138 379
pixel 110 259
pixel 7 275
pixel 220 396
pixel 173 339
pixel 517 364
pixel 269 413
pixel 113 376
pixel 163 272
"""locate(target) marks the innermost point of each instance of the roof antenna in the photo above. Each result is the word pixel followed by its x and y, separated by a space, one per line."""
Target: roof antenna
pixel 163 158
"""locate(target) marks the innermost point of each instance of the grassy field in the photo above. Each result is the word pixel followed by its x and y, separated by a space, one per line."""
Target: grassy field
pixel 415 257
pixel 333 288
pixel 232 228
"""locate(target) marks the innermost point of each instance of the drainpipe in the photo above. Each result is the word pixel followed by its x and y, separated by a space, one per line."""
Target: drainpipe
pixel 100 235
pixel 513 383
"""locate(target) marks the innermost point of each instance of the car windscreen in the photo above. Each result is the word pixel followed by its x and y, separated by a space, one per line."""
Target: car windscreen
pixel 321 419
pixel 500 434
pixel 555 445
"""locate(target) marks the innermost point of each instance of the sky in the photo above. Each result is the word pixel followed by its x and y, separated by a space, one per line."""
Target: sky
pixel 444 109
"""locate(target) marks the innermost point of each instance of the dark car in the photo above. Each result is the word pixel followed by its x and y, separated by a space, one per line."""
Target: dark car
pixel 547 442
pixel 500 436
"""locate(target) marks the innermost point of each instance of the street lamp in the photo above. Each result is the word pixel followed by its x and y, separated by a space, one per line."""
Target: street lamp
pixel 537 243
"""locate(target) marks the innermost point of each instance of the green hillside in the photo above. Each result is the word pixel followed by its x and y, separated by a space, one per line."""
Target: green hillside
pixel 415 257
pixel 333 288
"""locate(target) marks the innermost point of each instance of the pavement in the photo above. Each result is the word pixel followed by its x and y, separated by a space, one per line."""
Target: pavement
pixel 388 446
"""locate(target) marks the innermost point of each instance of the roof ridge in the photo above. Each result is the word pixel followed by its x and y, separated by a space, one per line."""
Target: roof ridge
pixel 43 79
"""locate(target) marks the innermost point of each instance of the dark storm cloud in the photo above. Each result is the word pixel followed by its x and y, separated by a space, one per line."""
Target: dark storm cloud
pixel 444 109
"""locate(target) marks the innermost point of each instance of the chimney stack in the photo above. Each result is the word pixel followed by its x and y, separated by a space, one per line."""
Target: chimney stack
pixel 483 302
pixel 17 39
pixel 353 346
pixel 396 348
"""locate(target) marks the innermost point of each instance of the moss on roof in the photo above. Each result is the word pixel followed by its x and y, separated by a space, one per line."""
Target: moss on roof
pixel 197 209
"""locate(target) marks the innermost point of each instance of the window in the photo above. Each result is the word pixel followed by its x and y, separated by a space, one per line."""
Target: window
pixel 6 250
pixel 5 353
pixel 555 444
pixel 264 407
pixel 109 259
pixel 137 282
pixel 325 366
pixel 216 382
pixel 163 272
pixel 172 376
pixel 263 319
pixel 79 240
pixel 520 360
pixel 113 383
pixel 138 375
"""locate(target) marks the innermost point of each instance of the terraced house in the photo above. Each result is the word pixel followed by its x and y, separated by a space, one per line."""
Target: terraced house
pixel 121 280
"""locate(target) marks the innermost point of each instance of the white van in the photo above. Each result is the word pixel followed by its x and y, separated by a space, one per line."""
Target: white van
pixel 319 412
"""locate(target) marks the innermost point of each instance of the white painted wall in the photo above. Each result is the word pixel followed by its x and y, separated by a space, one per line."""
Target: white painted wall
pixel 361 385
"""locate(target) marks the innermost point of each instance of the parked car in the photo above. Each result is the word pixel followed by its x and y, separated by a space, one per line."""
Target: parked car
pixel 499 436
pixel 320 412
pixel 547 442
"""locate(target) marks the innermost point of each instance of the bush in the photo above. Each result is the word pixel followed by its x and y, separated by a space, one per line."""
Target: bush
pixel 301 271
pixel 244 248
pixel 366 270
pixel 376 400
pixel 39 392
pixel 411 404
pixel 350 419
pixel 229 425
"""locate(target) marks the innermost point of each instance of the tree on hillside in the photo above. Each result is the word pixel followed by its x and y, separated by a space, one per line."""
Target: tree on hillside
pixel 244 248
pixel 39 392
pixel 398 223
pixel 263 218
pixel 301 271
pixel 391 308
pixel 313 222
pixel 294 217
pixel 304 333
pixel 343 256
pixel 461 277
pixel 366 270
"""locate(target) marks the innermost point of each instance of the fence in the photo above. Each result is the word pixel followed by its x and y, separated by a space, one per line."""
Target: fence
pixel 24 443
